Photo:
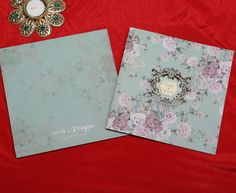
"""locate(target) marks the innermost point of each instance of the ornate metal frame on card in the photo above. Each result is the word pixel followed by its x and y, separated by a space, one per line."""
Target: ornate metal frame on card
pixel 171 74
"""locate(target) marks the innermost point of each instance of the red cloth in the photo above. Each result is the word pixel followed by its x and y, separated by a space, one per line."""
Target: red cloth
pixel 128 164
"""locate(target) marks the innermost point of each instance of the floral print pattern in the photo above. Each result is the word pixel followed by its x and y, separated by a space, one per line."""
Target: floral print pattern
pixel 120 122
pixel 80 86
pixel 152 122
pixel 193 124
pixel 184 130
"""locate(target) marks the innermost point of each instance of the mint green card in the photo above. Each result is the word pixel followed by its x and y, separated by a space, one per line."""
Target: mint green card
pixel 59 91
pixel 171 90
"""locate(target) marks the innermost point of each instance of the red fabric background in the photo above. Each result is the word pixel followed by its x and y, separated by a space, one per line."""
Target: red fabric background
pixel 128 164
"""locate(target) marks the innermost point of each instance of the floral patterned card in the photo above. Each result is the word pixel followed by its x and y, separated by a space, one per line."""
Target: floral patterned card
pixel 59 91
pixel 171 90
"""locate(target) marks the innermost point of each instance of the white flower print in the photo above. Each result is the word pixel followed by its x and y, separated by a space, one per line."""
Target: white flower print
pixel 136 120
pixel 202 83
pixel 124 100
pixel 192 61
pixel 109 122
pixel 191 95
pixel 169 44
pixel 164 134
pixel 184 130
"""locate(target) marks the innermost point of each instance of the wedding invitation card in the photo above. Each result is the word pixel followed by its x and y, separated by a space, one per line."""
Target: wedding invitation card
pixel 59 91
pixel 171 90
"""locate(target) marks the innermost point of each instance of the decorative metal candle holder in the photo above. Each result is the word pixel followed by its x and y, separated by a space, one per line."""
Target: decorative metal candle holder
pixel 37 15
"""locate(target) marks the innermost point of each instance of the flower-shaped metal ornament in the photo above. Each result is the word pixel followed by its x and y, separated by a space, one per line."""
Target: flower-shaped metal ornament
pixel 37 15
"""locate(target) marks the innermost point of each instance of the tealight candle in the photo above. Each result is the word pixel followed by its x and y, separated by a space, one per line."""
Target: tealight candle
pixel 35 8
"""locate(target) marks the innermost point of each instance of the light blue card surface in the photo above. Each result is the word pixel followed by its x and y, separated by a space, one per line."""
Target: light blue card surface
pixel 59 91
pixel 171 90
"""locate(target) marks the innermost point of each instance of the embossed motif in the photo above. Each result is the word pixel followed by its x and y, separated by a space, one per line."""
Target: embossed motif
pixel 169 86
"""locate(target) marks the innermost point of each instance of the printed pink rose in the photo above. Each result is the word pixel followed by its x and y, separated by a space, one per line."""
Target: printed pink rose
pixel 192 61
pixel 120 122
pixel 124 100
pixel 183 130
pixel 152 122
pixel 169 44
pixel 210 70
